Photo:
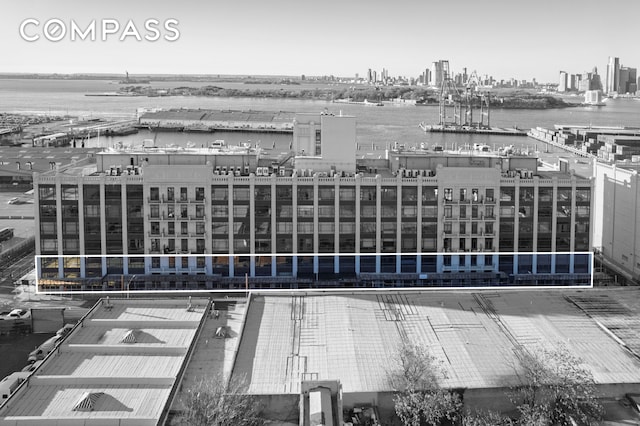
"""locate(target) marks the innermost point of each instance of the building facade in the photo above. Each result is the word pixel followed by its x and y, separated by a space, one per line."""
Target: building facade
pixel 439 219
pixel 617 203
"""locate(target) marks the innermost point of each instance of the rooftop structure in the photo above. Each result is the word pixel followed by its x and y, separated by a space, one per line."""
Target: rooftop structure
pixel 121 363
pixel 17 164
pixel 354 338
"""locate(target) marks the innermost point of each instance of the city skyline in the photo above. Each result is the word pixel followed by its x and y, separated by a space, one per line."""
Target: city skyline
pixel 284 38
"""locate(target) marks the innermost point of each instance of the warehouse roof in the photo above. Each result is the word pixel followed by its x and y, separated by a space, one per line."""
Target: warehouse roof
pixel 355 338
pixel 120 363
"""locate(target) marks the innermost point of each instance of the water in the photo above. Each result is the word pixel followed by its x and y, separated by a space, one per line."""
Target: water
pixel 377 127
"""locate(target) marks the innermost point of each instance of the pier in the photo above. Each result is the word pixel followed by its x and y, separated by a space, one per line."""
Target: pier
pixel 438 128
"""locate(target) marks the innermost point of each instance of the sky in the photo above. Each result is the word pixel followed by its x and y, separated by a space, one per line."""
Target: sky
pixel 503 38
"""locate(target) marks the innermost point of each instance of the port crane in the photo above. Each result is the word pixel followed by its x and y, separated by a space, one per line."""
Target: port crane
pixel 462 103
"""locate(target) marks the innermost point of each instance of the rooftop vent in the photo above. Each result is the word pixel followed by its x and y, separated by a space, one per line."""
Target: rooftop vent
pixel 129 337
pixel 88 401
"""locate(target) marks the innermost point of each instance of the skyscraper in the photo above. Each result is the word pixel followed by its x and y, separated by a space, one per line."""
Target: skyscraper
pixel 562 85
pixel 613 74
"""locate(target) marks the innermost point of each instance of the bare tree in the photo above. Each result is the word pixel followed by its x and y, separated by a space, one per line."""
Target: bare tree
pixel 419 398
pixel 214 402
pixel 486 418
pixel 555 389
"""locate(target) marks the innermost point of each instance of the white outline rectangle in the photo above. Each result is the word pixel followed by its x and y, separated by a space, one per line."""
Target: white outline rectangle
pixel 312 290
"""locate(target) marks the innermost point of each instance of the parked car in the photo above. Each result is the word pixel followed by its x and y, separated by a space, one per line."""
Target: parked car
pixel 44 349
pixel 30 368
pixel 65 330
pixel 18 314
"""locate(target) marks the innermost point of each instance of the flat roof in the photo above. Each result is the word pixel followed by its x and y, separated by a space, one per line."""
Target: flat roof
pixel 125 356
pixel 40 158
pixel 220 115
pixel 355 337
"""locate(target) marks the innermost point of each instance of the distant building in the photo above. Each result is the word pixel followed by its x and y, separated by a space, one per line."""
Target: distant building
pixel 613 75
pixel 439 71
pixel 562 83
pixel 627 80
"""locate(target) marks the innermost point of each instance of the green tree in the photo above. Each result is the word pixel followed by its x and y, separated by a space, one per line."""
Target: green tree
pixel 419 398
pixel 214 402
pixel 555 389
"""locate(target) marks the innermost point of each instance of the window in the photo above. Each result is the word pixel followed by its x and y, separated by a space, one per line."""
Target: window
pixel 305 227
pixel 463 212
pixel 155 210
pixel 347 228
pixel 155 228
pixel 183 194
pixel 70 228
pixel 489 196
pixel 326 211
pixel 91 211
pixel 448 194
pixel 388 194
pixel 184 228
pixel 488 212
pixel 430 194
pixel 305 193
pixel 184 245
pixel 409 211
pixel 368 193
pixel 47 192
pixel 69 192
pixel 463 194
pixel 241 194
pixel 200 211
pixel 448 211
pixel 326 193
pixel 219 193
pixel 219 211
pixel 347 194
pixel 170 194
pixel 199 194
pixel 154 194
pixel 448 227
pixel 171 228
pixel 48 228
pixel 199 228
pixel 318 144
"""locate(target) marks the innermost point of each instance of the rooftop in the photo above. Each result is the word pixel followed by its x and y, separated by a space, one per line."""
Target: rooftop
pixel 220 115
pixel 122 362
pixel 354 337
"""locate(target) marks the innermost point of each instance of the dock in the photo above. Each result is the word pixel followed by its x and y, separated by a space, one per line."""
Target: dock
pixel 501 131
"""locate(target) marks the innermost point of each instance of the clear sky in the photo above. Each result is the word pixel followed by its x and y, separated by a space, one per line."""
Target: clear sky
pixel 503 38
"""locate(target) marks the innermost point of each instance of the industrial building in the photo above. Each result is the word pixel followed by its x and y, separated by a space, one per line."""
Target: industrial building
pixel 204 120
pixel 477 337
pixel 121 364
pixel 231 217
pixel 617 203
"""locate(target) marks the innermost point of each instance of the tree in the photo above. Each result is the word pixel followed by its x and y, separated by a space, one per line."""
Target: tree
pixel 555 389
pixel 419 398
pixel 486 418
pixel 214 402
